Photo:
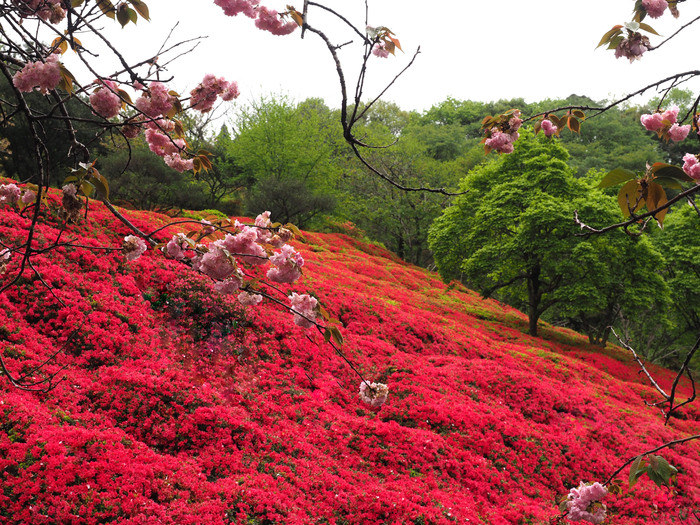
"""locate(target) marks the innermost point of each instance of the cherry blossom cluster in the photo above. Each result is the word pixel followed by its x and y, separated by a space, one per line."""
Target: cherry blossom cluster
pixel 584 503
pixel 632 47
pixel 205 94
pixel 265 19
pixel 379 50
pixel 48 10
pixel 269 20
pixel 71 205
pixel 250 245
pixel 374 394
pixel 665 125
pixel 133 247
pixel 9 193
pixel 104 100
pixel 503 134
pixel 5 255
pixel 691 166
pixel 42 75
pixel 13 194
pixel 548 128
pixel 304 309
pixel 655 8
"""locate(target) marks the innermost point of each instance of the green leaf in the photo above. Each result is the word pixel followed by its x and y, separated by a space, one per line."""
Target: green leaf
pixel 337 336
pixel 615 177
pixel 668 183
pixel 615 42
pixel 123 15
pixel 574 125
pixel 648 29
pixel 634 469
pixel 107 8
pixel 629 198
pixel 607 36
pixel 142 8
pixel 132 15
pixel 100 184
pixel 660 471
pixel 661 169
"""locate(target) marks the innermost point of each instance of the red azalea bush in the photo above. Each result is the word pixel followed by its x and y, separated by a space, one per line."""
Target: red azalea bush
pixel 177 405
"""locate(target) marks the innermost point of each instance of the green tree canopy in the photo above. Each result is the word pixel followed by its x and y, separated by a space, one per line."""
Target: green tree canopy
pixel 287 149
pixel 512 235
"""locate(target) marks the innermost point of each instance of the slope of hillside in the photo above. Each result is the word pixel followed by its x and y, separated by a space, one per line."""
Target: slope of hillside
pixel 179 406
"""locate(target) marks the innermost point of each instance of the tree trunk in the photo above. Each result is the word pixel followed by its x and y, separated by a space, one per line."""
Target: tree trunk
pixel 534 297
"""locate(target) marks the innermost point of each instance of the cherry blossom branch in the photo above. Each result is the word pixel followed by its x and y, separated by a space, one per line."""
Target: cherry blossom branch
pixel 668 398
pixel 634 218
pixel 684 26
pixel 661 447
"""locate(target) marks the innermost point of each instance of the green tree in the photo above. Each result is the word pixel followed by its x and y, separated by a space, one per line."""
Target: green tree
pixel 398 219
pixel 512 235
pixel 287 149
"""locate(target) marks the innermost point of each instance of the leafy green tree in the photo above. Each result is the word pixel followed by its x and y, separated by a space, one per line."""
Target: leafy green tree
pixel 512 235
pixel 680 244
pixel 140 179
pixel 398 219
pixel 287 149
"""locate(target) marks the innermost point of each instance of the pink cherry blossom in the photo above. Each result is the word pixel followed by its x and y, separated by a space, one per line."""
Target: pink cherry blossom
pixel 177 246
pixel 633 47
pixel 244 245
pixel 584 503
pixel 233 7
pixel 678 133
pixel 500 142
pixel 9 193
pixel 379 50
pixel 671 114
pixel 262 223
pixel 655 8
pixel 28 197
pixel 230 285
pixel 653 122
pixel 156 101
pixel 205 94
pixel 249 299
pixel 269 20
pixel 548 128
pixel 691 166
pixel 161 144
pixel 304 309
pixel 133 247
pixel 105 101
pixel 175 161
pixel 374 394
pixel 42 75
pixel 49 10
pixel 287 265
pixel 216 263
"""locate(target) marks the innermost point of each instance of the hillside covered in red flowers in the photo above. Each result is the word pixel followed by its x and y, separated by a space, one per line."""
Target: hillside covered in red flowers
pixel 179 406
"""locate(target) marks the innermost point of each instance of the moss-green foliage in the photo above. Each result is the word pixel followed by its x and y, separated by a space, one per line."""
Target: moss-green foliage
pixel 512 235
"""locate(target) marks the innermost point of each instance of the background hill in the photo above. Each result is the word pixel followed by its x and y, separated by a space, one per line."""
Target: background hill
pixel 178 406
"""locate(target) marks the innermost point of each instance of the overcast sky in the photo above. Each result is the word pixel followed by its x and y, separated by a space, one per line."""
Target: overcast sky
pixel 474 50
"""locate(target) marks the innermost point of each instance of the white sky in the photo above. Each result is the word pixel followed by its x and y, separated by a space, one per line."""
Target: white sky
pixel 470 49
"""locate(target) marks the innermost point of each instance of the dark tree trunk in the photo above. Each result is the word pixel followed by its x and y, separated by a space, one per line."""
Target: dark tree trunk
pixel 534 297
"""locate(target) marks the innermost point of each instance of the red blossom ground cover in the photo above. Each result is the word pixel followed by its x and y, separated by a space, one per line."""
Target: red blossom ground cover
pixel 179 406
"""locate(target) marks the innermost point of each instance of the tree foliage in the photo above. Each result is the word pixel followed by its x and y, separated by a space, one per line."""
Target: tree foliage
pixel 511 236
